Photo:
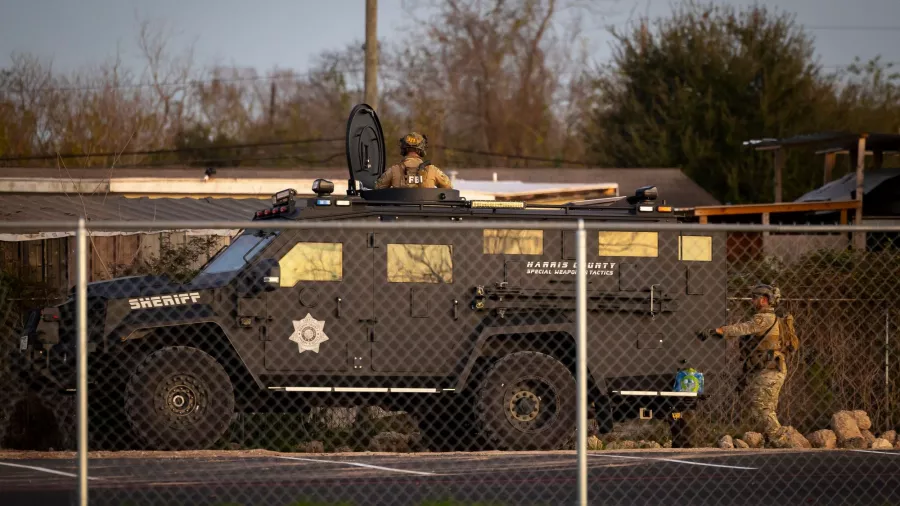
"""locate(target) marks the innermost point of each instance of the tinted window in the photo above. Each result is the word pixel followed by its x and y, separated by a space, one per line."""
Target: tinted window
pixel 242 250
pixel 628 244
pixel 419 263
pixel 513 242
pixel 312 261
pixel 695 248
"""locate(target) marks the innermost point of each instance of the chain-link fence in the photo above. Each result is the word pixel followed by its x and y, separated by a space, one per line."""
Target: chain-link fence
pixel 414 362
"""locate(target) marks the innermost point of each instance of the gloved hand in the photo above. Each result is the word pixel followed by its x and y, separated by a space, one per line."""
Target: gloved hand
pixel 707 334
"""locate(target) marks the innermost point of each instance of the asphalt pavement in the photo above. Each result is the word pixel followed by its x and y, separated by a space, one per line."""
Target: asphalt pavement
pixel 751 477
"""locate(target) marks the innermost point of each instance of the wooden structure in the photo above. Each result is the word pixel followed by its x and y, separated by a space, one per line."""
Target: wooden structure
pixel 856 145
pixel 762 213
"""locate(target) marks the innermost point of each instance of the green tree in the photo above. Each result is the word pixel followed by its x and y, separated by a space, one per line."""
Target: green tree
pixel 870 97
pixel 690 92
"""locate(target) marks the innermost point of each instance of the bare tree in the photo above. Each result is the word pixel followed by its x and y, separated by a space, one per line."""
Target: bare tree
pixel 169 75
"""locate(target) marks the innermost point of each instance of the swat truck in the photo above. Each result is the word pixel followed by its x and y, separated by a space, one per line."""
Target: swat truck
pixel 470 330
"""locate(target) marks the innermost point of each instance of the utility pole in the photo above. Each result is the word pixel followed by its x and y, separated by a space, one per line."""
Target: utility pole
pixel 272 105
pixel 371 89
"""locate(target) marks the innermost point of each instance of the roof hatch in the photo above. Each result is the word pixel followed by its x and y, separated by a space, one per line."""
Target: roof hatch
pixel 365 149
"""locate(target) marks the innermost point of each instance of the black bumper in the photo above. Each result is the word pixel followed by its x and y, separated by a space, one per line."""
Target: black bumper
pixel 42 359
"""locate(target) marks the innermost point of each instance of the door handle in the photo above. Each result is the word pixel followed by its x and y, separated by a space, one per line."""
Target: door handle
pixel 455 309
pixel 338 307
pixel 652 293
pixel 370 330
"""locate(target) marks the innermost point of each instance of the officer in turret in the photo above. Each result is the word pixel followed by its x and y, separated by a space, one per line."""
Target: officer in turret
pixel 413 171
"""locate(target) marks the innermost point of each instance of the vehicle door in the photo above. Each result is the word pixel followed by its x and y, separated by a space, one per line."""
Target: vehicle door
pixel 324 293
pixel 419 299
pixel 651 281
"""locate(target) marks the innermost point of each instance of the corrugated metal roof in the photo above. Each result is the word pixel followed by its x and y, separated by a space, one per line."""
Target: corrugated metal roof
pixel 674 186
pixel 61 208
pixel 118 208
pixel 520 186
pixel 843 188
pixel 829 141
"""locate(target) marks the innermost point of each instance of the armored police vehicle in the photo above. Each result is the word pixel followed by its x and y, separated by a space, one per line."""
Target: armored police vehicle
pixel 469 329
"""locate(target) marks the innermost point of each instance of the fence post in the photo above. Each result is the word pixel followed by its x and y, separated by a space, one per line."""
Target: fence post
pixel 581 359
pixel 887 360
pixel 81 318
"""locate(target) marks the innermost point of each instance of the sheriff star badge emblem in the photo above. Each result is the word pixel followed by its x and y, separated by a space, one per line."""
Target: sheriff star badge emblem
pixel 309 333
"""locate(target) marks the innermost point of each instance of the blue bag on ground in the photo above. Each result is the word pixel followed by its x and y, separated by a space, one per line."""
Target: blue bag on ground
pixel 689 380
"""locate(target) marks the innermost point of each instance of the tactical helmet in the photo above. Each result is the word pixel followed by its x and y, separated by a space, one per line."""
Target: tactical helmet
pixel 415 141
pixel 769 291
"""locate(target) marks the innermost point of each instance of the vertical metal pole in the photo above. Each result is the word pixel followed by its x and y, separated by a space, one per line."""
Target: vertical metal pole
pixel 887 358
pixel 81 389
pixel 581 358
pixel 371 71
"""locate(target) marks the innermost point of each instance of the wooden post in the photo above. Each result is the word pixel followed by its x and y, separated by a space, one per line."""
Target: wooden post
pixel 844 222
pixel 829 167
pixel 859 238
pixel 779 166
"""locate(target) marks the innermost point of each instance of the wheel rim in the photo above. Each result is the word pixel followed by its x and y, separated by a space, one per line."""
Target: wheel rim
pixel 531 405
pixel 181 399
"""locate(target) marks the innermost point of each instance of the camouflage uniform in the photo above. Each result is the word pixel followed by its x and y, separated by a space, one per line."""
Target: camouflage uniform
pixel 764 364
pixel 413 172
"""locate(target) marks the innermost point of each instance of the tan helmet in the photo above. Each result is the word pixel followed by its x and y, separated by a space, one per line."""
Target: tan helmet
pixel 770 292
pixel 414 141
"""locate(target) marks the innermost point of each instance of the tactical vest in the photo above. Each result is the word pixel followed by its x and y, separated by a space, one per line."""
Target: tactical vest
pixel 408 174
pixel 414 177
pixel 764 351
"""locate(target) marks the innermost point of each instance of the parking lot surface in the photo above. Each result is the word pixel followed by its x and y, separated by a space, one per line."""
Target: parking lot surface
pixel 693 477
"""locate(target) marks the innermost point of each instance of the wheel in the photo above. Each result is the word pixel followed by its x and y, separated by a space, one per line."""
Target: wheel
pixel 179 398
pixel 527 402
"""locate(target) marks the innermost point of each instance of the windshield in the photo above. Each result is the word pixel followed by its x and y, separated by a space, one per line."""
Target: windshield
pixel 241 251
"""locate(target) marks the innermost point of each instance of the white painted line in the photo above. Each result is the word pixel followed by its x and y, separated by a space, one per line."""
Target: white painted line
pixel 44 469
pixel 422 473
pixel 672 460
pixel 880 452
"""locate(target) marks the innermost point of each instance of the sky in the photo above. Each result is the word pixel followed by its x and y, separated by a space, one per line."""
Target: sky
pixel 289 34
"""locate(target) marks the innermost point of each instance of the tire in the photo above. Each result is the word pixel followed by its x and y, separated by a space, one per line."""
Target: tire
pixel 527 402
pixel 179 398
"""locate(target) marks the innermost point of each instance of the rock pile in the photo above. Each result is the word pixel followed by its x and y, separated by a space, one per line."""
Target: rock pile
pixel 849 429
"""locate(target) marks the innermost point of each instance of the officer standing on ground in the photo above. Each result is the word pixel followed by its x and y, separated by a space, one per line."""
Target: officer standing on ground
pixel 413 171
pixel 762 352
